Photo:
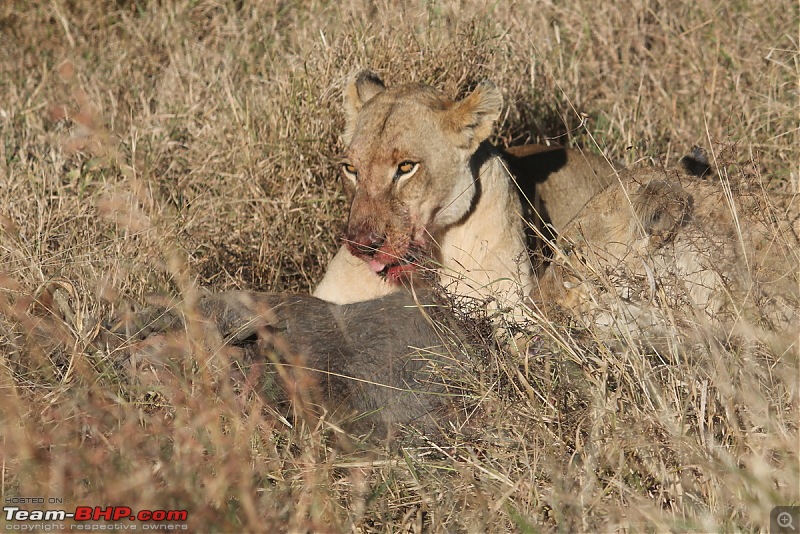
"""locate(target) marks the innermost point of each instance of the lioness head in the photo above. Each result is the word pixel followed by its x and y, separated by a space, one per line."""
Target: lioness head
pixel 407 167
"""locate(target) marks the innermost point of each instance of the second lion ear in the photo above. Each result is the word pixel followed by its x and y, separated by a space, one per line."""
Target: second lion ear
pixel 473 118
pixel 361 88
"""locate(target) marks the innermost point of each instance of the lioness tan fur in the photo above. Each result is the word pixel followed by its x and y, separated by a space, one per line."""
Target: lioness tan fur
pixel 427 192
pixel 662 252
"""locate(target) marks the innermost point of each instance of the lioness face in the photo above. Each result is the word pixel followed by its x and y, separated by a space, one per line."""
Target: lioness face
pixel 407 167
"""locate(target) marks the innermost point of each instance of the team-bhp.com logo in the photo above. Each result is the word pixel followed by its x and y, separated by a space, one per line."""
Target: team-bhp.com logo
pixel 15 514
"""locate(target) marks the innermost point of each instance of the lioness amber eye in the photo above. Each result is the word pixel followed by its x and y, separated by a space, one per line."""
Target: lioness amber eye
pixel 405 170
pixel 405 167
pixel 349 169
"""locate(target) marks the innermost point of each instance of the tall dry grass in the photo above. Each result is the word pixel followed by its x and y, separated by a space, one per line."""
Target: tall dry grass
pixel 155 147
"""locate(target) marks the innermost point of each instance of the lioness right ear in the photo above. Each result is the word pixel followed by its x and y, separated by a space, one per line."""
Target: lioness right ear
pixel 359 91
pixel 473 117
pixel 696 162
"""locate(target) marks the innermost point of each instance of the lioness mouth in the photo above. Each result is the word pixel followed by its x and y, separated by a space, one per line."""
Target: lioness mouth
pixel 393 271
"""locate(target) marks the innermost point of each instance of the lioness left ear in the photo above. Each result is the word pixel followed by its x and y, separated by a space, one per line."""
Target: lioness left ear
pixel 473 117
pixel 359 91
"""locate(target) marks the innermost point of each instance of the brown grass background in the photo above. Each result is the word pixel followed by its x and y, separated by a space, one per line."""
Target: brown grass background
pixel 156 147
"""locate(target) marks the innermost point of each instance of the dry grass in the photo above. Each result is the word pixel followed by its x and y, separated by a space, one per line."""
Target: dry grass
pixel 154 147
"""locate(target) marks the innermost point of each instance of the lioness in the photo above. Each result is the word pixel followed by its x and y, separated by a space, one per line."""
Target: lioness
pixel 427 190
pixel 663 252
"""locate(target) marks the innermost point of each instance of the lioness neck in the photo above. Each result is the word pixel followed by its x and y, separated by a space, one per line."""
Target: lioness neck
pixel 494 264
